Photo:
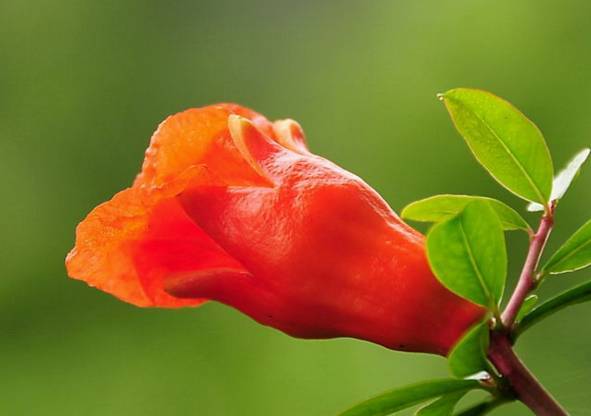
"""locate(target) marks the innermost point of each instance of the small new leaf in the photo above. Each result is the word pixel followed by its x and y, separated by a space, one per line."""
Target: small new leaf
pixel 408 396
pixel 467 254
pixel 572 296
pixel 441 207
pixel 564 179
pixel 574 254
pixel 444 406
pixel 528 305
pixel 505 142
pixel 468 356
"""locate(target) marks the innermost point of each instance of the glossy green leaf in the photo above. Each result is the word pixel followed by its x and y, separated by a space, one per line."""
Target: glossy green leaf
pixel 408 396
pixel 573 296
pixel 468 356
pixel 564 179
pixel 467 254
pixel 441 207
pixel 527 306
pixel 574 254
pixel 507 144
pixel 444 406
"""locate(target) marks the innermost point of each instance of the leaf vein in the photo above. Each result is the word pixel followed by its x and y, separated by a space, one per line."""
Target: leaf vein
pixel 517 162
pixel 474 264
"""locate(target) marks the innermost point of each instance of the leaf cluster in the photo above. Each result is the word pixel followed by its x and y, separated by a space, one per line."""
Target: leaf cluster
pixel 467 251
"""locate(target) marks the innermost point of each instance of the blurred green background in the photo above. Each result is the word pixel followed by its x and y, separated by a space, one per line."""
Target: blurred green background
pixel 84 83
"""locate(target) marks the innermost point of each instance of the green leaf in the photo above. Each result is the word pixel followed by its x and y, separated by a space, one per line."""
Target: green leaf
pixel 563 180
pixel 444 406
pixel 527 306
pixel 468 356
pixel 408 396
pixel 573 296
pixel 441 207
pixel 574 254
pixel 467 254
pixel 507 144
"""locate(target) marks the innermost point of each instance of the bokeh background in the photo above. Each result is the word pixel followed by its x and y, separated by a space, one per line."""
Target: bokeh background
pixel 84 83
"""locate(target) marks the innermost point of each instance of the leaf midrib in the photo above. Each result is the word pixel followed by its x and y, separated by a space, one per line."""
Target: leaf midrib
pixel 517 162
pixel 487 293
pixel 520 224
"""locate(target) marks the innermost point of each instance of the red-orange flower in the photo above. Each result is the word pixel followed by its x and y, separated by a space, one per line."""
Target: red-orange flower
pixel 233 208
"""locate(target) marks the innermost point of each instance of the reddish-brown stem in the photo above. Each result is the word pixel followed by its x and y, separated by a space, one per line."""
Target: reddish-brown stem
pixel 527 280
pixel 523 384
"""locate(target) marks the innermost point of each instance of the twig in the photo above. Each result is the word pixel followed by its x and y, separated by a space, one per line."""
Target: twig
pixel 521 381
pixel 525 386
pixel 527 280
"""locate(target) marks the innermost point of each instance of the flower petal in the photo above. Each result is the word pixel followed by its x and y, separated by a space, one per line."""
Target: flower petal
pixel 291 135
pixel 259 150
pixel 200 136
pixel 174 247
pixel 129 245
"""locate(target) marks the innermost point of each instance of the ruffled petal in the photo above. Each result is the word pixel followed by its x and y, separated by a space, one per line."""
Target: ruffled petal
pixel 101 257
pixel 173 247
pixel 200 136
pixel 130 244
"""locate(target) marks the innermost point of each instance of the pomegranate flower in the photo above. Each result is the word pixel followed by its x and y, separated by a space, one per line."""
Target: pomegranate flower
pixel 233 208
